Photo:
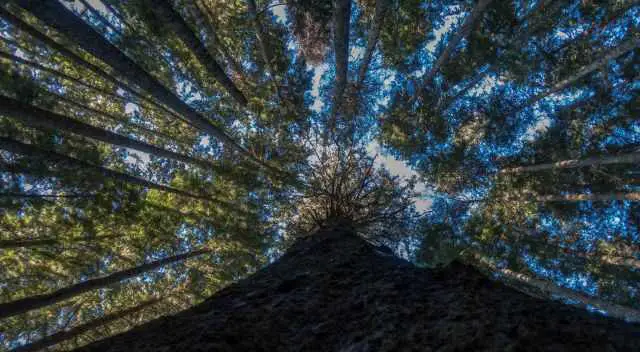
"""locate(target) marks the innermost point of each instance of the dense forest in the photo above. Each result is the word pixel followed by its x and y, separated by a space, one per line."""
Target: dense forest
pixel 152 152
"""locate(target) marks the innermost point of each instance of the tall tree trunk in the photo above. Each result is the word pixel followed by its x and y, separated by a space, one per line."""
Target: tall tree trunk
pixel 597 197
pixel 334 291
pixel 117 119
pixel 584 71
pixel 73 163
pixel 207 17
pixel 99 15
pixel 79 61
pixel 618 265
pixel 34 116
pixel 550 289
pixel 341 17
pixel 263 46
pixel 24 305
pixel 8 244
pixel 164 11
pixel 33 195
pixel 462 33
pixel 448 100
pixel 630 158
pixel 60 18
pixel 62 75
pixel 372 39
pixel 86 327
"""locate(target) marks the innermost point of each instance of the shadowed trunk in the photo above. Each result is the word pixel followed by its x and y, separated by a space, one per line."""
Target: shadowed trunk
pixel 81 329
pixel 37 117
pixel 372 40
pixel 462 33
pixel 333 291
pixel 584 71
pixel 342 14
pixel 176 24
pixel 77 60
pixel 24 305
pixel 67 162
pixel 66 22
pixel 7 244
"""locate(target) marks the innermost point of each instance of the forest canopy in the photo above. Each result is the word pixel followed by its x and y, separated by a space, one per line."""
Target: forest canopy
pixel 154 151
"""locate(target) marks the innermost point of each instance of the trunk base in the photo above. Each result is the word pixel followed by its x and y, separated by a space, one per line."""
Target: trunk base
pixel 336 292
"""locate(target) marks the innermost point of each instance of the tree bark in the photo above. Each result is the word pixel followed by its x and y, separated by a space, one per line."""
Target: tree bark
pixel 71 162
pixel 613 310
pixel 341 17
pixel 8 244
pixel 372 39
pixel 263 46
pixel 81 329
pixel 334 291
pixel 60 18
pixel 24 305
pixel 584 71
pixel 37 117
pixel 462 33
pixel 117 119
pixel 99 15
pixel 597 197
pixel 177 25
pixel 62 75
pixel 630 158
pixel 79 61
pixel 204 12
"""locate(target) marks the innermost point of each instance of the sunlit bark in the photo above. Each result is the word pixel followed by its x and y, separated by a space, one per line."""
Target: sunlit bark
pixel 631 158
pixel 612 309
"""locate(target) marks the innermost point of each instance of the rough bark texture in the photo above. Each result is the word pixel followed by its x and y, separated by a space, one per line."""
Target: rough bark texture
pixel 335 292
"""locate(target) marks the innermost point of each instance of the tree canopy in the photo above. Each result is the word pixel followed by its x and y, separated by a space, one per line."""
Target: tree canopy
pixel 151 152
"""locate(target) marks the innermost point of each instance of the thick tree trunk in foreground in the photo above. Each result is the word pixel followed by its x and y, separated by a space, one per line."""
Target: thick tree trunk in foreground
pixel 335 292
